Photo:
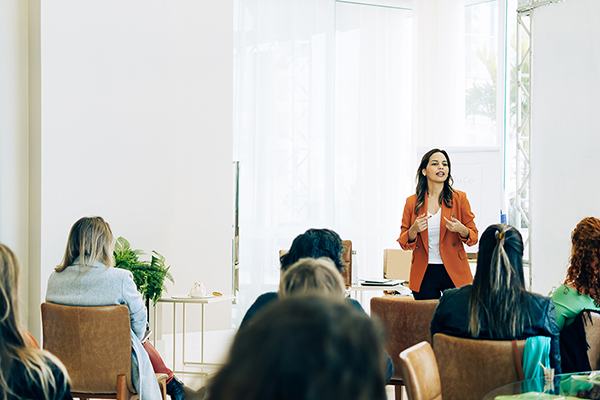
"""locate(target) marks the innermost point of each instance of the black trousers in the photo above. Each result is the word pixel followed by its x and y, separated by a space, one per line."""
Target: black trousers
pixel 435 281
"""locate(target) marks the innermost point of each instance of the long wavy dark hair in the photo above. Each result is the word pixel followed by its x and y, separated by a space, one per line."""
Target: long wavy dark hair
pixel 315 243
pixel 498 291
pixel 446 194
pixel 584 272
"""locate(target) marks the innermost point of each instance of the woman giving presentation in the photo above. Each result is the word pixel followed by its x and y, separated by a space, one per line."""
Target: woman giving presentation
pixel 437 220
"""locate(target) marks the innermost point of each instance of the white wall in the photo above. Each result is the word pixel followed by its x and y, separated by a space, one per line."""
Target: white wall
pixel 566 132
pixel 14 141
pixel 136 110
pixel 136 127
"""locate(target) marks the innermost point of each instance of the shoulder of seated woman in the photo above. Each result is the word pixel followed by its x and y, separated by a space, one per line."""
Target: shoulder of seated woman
pixel 452 292
pixel 570 289
pixel 570 286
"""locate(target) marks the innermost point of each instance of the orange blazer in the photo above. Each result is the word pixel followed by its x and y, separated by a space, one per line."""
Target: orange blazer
pixel 451 243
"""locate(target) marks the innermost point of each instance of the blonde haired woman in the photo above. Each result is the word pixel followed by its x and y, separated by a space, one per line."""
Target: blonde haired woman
pixel 310 275
pixel 318 276
pixel 86 278
pixel 25 373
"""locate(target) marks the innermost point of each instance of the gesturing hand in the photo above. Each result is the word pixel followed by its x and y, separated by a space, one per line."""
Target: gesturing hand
pixel 419 225
pixel 455 225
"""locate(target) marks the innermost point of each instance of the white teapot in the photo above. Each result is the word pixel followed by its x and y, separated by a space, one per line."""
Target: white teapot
pixel 199 290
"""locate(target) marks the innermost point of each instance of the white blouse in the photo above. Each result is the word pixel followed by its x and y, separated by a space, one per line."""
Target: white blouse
pixel 433 227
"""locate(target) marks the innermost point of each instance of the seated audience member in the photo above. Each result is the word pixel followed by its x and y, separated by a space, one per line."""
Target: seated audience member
pixel 87 277
pixel 26 372
pixel 497 305
pixel 581 289
pixel 304 347
pixel 312 275
pixel 314 243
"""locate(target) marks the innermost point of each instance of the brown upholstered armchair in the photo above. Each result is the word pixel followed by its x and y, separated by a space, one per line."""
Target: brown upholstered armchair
pixel 347 259
pixel 407 322
pixel 94 344
pixel 470 368
pixel 592 336
pixel 420 371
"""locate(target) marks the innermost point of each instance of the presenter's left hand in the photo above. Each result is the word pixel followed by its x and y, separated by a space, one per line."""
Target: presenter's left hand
pixel 455 225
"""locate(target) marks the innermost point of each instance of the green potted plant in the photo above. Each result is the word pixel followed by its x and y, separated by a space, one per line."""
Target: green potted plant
pixel 149 276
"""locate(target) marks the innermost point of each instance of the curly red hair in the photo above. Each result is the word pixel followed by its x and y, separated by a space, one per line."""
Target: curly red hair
pixel 584 272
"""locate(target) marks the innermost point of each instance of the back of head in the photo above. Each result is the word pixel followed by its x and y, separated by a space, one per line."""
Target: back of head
pixel 92 241
pixel 584 268
pixel 9 299
pixel 304 348
pixel 499 284
pixel 315 243
pixel 15 357
pixel 310 275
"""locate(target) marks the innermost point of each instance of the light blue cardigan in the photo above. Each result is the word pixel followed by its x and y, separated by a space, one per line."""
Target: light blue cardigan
pixel 100 286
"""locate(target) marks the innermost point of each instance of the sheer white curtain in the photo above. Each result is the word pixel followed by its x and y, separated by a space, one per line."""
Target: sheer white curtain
pixel 332 99
pixel 283 131
pixel 323 136
pixel 459 70
pixel 373 139
pixel 439 72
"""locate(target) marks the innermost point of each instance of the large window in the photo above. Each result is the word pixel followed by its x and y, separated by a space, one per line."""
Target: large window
pixel 481 73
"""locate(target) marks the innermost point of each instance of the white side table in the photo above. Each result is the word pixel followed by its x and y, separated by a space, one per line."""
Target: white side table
pixel 357 291
pixel 183 301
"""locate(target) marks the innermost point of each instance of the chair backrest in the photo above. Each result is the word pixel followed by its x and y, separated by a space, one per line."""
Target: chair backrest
pixel 592 336
pixel 346 258
pixel 420 371
pixel 406 321
pixel 396 264
pixel 470 368
pixel 94 344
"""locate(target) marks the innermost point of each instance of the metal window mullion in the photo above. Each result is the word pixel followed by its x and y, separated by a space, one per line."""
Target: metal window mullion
pixel 523 132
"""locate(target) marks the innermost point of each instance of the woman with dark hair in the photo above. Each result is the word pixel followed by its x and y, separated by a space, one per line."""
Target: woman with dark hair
pixel 86 277
pixel 313 243
pixel 437 220
pixel 25 372
pixel 581 289
pixel 304 348
pixel 497 305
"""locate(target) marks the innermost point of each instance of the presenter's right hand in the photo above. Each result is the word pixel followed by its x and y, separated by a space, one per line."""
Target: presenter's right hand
pixel 418 226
